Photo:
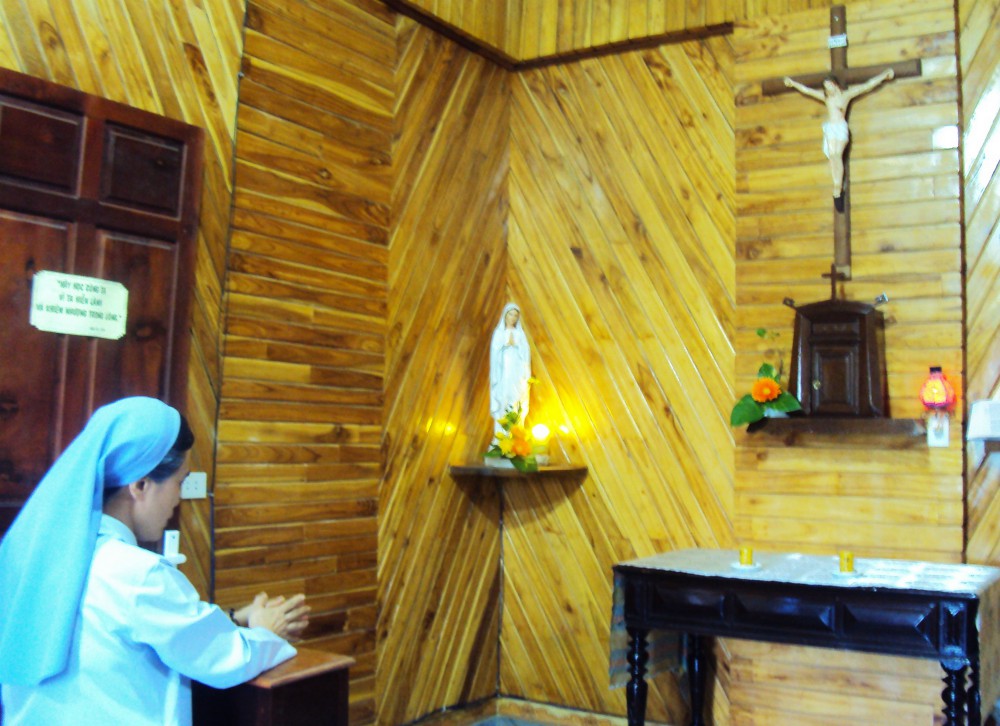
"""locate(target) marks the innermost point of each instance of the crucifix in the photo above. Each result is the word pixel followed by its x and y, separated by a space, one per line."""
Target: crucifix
pixel 838 88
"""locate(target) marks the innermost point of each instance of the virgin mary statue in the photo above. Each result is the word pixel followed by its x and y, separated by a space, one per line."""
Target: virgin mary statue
pixel 510 366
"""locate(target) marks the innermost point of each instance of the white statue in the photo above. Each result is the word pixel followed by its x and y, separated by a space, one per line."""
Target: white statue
pixel 836 133
pixel 510 366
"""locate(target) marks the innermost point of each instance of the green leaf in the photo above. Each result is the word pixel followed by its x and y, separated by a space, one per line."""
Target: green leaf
pixel 494 453
pixel 511 417
pixel 525 463
pixel 767 371
pixel 785 402
pixel 746 411
pixel 761 332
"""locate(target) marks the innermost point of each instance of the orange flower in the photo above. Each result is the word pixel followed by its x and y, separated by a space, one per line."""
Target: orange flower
pixel 764 390
pixel 521 447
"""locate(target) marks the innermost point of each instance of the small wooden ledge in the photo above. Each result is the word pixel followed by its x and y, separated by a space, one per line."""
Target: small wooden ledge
pixel 307 663
pixel 891 433
pixel 313 687
pixel 480 470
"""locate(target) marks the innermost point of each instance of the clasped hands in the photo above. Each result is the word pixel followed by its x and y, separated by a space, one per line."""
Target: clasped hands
pixel 285 617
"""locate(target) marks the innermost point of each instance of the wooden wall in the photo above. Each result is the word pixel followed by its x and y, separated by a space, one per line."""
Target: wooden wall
pixel 300 420
pixel 528 30
pixel 979 24
pixel 881 497
pixel 392 191
pixel 439 539
pixel 906 242
pixel 179 59
pixel 620 251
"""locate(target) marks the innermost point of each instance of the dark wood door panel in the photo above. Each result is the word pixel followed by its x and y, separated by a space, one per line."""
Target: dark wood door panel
pixel 142 171
pixel 40 146
pixel 139 363
pixel 29 413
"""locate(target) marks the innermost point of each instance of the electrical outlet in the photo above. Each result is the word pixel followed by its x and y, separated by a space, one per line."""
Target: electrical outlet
pixel 171 542
pixel 195 486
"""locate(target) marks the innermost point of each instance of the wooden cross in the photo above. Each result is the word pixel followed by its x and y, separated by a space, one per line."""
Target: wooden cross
pixel 845 76
pixel 834 274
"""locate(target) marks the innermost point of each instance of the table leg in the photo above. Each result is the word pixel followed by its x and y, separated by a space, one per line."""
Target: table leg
pixel 635 690
pixel 696 667
pixel 953 694
pixel 974 697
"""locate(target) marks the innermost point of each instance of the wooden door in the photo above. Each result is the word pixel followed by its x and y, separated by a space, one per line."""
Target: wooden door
pixel 93 188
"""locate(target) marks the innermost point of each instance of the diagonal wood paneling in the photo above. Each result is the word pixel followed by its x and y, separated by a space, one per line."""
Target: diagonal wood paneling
pixel 438 537
pixel 300 420
pixel 979 25
pixel 178 59
pixel 620 254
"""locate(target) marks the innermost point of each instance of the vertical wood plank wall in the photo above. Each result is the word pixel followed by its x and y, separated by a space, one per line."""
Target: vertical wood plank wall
pixel 300 420
pixel 979 25
pixel 179 59
pixel 893 498
pixel 620 253
pixel 439 537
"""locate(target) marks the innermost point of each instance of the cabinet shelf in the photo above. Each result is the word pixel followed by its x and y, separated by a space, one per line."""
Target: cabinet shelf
pixel 492 471
pixel 893 433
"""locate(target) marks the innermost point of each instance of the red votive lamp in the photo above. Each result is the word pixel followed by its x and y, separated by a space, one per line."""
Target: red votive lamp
pixel 937 393
pixel 938 397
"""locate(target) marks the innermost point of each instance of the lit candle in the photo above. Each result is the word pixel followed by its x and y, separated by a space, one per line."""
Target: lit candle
pixel 746 556
pixel 540 433
pixel 846 561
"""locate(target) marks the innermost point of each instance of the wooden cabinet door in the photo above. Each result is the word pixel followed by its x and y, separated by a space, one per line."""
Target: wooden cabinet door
pixel 838 360
pixel 93 188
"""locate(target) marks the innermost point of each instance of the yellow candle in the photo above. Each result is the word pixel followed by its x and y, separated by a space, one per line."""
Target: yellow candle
pixel 846 561
pixel 746 556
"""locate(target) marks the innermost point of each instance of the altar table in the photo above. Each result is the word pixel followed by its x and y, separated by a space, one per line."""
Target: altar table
pixel 947 612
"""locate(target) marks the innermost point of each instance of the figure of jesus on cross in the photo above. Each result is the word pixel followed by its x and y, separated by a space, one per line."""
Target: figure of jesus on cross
pixel 836 133
pixel 840 85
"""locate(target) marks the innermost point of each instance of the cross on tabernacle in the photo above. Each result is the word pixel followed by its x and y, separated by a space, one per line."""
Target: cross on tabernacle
pixel 845 77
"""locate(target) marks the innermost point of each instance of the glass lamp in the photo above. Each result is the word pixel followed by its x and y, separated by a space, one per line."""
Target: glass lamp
pixel 938 397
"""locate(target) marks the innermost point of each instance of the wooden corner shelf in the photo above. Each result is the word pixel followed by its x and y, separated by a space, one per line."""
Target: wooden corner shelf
pixel 492 471
pixel 893 433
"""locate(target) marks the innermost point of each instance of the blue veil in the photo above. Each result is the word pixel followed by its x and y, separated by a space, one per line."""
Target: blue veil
pixel 45 556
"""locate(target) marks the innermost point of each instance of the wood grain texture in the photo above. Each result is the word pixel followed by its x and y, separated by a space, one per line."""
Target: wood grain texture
pixel 900 502
pixel 439 538
pixel 394 190
pixel 620 253
pixel 178 59
pixel 979 25
pixel 527 31
pixel 300 418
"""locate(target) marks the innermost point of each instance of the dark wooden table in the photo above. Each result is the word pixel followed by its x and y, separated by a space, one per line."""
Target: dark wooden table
pixel 916 609
pixel 308 690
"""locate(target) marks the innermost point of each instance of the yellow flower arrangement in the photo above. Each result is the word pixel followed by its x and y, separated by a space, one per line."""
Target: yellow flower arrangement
pixel 514 442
